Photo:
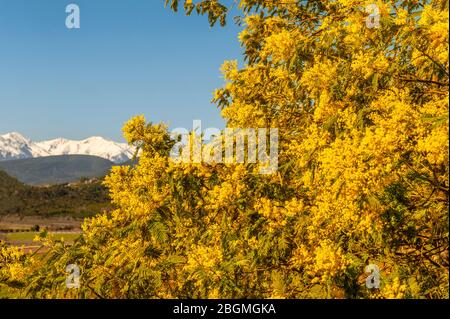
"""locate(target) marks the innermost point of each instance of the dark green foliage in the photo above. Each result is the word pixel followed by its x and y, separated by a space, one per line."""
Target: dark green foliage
pixel 77 200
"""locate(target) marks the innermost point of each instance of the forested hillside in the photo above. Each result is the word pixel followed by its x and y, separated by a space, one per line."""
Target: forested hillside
pixel 76 200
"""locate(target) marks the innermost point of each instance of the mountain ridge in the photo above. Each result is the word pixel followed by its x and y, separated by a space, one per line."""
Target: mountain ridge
pixel 15 146
pixel 56 169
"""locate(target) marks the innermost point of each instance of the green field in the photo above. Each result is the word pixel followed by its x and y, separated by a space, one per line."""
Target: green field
pixel 27 238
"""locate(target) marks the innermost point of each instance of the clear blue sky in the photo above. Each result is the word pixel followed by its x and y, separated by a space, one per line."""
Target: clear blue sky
pixel 129 57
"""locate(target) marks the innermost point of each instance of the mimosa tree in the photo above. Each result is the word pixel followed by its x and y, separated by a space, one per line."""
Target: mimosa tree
pixel 359 93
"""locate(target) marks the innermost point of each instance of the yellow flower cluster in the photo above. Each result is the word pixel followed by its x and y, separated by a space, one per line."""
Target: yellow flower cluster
pixel 14 264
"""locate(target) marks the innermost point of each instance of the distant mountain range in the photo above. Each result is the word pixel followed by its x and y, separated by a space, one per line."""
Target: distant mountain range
pixel 56 169
pixel 15 146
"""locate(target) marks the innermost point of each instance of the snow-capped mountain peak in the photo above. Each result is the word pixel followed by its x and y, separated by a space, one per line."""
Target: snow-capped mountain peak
pixel 16 146
pixel 16 137
pixel 53 144
pixel 96 145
